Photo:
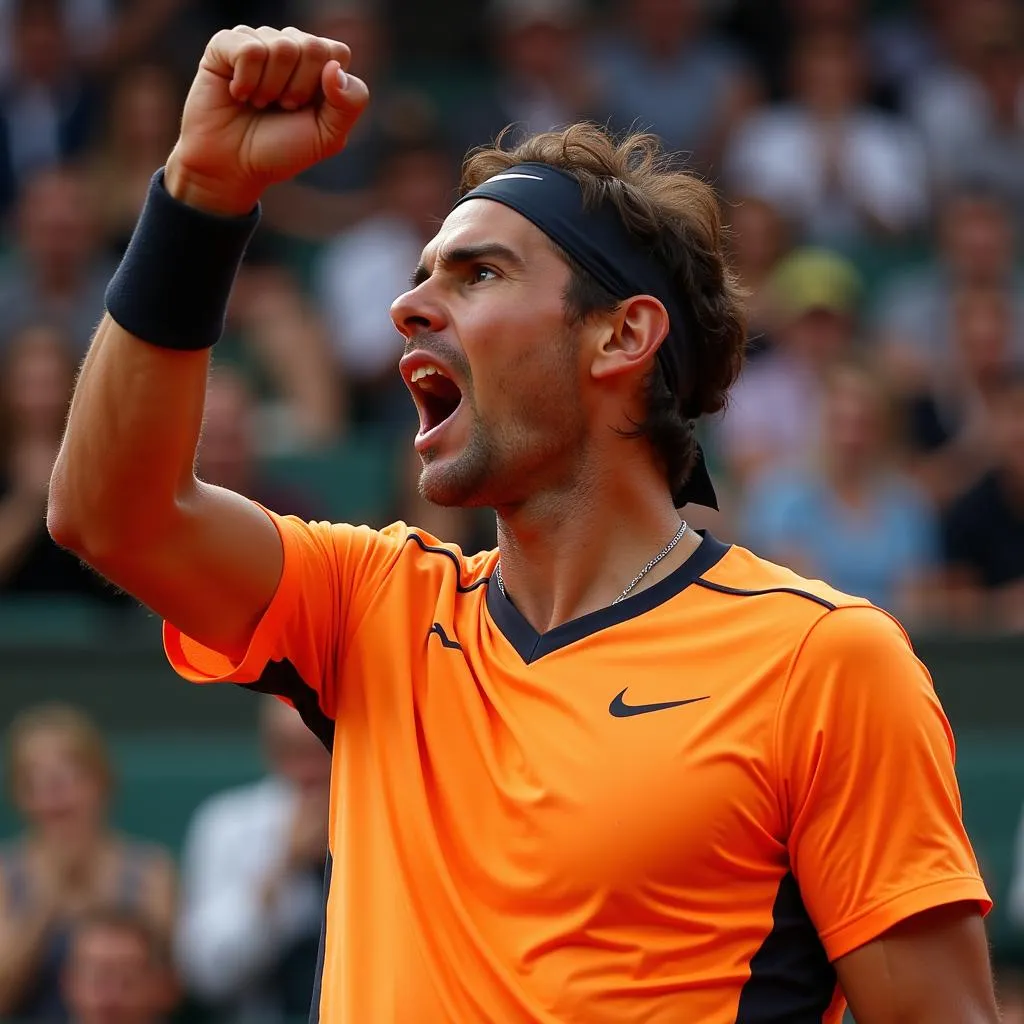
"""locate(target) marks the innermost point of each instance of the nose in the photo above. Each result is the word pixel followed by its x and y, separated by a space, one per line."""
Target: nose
pixel 416 311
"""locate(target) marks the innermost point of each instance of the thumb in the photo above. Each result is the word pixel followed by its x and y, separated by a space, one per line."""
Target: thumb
pixel 345 98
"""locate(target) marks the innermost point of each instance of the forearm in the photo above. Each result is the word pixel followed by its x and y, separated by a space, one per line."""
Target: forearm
pixel 125 468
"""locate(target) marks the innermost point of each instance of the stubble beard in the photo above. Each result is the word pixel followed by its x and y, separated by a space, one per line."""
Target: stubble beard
pixel 463 481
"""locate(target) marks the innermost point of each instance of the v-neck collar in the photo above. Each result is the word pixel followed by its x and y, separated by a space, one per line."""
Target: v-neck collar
pixel 531 645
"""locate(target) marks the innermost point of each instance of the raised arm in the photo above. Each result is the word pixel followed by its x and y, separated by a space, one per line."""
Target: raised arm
pixel 265 104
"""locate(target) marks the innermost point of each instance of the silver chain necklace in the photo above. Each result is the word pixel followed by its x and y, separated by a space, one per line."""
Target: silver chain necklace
pixel 680 533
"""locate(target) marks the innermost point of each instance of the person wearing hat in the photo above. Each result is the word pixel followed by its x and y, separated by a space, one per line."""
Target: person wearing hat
pixel 773 413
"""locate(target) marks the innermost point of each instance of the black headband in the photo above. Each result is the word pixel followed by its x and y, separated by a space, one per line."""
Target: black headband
pixel 597 239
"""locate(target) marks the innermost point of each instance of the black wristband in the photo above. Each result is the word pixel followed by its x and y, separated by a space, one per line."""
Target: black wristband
pixel 173 284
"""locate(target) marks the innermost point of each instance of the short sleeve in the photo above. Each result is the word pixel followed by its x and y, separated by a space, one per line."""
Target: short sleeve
pixel 867 783
pixel 330 573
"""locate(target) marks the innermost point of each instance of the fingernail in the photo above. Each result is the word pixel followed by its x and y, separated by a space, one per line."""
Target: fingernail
pixel 342 79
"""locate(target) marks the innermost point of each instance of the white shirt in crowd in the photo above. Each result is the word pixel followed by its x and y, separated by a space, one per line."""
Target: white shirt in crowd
pixel 228 938
pixel 780 155
pixel 358 276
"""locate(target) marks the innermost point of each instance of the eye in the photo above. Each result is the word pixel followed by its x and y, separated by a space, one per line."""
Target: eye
pixel 480 272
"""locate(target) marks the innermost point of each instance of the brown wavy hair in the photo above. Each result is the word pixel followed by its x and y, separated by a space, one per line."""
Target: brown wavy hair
pixel 674 214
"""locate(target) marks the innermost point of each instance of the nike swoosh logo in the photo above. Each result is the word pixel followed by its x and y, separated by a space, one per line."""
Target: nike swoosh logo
pixel 620 709
pixel 452 645
pixel 514 174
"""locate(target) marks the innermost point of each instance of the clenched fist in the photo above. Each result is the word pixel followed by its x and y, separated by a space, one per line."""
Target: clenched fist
pixel 264 105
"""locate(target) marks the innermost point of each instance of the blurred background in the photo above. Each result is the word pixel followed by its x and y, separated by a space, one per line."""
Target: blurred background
pixel 162 846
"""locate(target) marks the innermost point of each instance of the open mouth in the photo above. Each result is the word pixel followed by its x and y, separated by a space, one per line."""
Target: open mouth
pixel 437 396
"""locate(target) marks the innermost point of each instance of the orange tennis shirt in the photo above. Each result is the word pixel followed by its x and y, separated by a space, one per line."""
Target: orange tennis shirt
pixel 678 810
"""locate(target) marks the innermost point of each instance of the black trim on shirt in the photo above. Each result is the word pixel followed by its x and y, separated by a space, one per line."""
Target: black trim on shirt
pixel 739 592
pixel 448 554
pixel 318 977
pixel 791 980
pixel 531 645
pixel 282 679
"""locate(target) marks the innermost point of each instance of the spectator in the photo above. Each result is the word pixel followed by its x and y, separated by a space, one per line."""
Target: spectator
pixel 758 241
pixel 118 970
pixel 58 274
pixel 141 127
pixel 253 882
pixel 36 374
pixel 842 172
pixel 543 80
pixel 46 110
pixel 334 194
pixel 984 528
pixel 914 314
pixel 853 520
pixel 228 449
pixel 950 421
pixel 360 273
pixel 87 23
pixel 278 338
pixel 971 110
pixel 773 415
pixel 660 70
pixel 69 861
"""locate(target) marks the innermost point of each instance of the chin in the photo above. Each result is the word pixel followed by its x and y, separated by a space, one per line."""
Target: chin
pixel 454 483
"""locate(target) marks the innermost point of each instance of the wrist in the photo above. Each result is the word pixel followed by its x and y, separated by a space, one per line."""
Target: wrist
pixel 208 194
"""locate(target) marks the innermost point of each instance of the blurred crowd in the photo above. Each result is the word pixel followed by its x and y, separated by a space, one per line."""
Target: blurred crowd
pixel 100 928
pixel 869 157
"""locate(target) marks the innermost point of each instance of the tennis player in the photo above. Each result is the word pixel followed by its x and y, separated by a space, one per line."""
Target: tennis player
pixel 614 770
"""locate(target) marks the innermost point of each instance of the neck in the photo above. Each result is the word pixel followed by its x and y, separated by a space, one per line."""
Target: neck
pixel 563 556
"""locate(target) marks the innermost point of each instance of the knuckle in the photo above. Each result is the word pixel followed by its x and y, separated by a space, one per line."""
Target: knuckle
pixel 316 48
pixel 252 48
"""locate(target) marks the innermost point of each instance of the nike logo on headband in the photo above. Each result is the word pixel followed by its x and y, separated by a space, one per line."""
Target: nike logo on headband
pixel 505 177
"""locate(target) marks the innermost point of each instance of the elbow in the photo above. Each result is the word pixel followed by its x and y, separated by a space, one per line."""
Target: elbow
pixel 103 525
pixel 75 523
pixel 63 525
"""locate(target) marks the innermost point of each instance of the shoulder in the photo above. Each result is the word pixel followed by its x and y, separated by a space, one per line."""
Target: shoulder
pixel 422 552
pixel 149 856
pixel 805 626
pixel 743 574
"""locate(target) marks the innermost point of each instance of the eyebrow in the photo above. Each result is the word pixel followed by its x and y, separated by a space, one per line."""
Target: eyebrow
pixel 469 254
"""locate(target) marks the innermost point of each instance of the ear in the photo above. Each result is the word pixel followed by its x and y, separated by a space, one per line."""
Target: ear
pixel 631 338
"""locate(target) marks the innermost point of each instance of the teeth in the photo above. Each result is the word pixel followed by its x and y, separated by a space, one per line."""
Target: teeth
pixel 426 371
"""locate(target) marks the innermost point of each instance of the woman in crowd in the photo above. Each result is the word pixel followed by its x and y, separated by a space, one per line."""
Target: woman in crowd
pixel 37 369
pixel 68 862
pixel 852 519
pixel 142 124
